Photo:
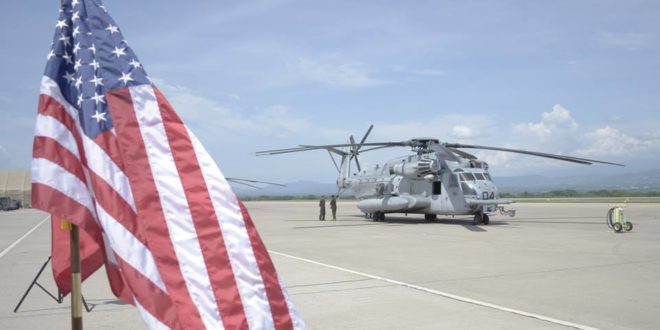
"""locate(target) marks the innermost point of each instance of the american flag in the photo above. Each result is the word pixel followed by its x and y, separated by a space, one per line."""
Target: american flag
pixel 111 155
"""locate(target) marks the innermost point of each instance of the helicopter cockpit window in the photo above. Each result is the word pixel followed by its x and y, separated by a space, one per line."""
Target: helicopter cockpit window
pixel 467 190
pixel 488 177
pixel 453 180
pixel 468 176
pixel 479 176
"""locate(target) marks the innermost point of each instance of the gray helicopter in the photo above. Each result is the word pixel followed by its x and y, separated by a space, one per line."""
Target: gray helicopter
pixel 438 178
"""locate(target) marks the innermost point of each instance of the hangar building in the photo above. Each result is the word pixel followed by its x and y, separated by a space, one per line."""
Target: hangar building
pixel 16 185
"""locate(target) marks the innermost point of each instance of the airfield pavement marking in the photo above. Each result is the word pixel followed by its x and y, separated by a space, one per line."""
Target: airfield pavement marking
pixel 5 251
pixel 443 294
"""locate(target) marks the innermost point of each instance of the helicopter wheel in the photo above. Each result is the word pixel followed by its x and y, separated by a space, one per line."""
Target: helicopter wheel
pixel 477 219
pixel 617 227
pixel 485 219
pixel 430 217
pixel 628 226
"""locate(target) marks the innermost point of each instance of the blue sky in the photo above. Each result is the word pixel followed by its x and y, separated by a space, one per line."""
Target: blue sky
pixel 570 77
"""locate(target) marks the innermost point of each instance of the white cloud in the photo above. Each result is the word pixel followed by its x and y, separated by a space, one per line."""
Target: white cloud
pixel 347 74
pixel 419 71
pixel 556 122
pixel 627 41
pixel 207 114
pixel 463 132
pixel 609 141
pixel 446 128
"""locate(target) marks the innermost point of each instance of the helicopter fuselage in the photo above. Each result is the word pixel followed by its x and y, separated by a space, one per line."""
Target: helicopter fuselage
pixel 421 184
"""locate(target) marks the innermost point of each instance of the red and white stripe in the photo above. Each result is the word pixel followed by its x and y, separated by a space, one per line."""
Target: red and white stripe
pixel 183 244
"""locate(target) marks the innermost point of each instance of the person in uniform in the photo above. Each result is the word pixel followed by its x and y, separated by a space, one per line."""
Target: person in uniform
pixel 322 208
pixel 333 207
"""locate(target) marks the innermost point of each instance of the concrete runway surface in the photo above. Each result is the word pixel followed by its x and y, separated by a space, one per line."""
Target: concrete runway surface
pixel 553 266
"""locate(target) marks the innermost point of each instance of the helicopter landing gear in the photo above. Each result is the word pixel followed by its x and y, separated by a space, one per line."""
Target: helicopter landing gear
pixel 378 217
pixel 480 218
pixel 430 217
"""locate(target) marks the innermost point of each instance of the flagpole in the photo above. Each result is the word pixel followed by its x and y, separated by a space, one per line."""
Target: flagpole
pixel 76 294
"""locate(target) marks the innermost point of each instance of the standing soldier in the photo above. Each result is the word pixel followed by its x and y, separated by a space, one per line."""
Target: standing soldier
pixel 333 207
pixel 322 210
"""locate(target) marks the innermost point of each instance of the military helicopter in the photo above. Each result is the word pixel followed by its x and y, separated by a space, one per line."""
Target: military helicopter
pixel 438 178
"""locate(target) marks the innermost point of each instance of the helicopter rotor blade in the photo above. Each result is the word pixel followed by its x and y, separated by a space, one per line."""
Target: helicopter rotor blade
pixel 578 160
pixel 354 153
pixel 463 153
pixel 282 151
pixel 441 150
pixel 245 184
pixel 364 138
pixel 369 144
pixel 333 147
pixel 353 146
pixel 380 147
pixel 238 180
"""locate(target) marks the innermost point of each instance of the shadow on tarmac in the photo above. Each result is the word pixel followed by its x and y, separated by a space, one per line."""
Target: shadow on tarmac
pixel 403 221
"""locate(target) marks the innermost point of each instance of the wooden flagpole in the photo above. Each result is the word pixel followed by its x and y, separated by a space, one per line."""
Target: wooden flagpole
pixel 76 294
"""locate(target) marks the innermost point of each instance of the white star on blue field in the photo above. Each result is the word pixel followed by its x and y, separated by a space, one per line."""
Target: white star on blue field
pixel 577 78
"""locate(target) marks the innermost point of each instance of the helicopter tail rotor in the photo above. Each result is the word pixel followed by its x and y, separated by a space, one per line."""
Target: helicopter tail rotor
pixel 355 148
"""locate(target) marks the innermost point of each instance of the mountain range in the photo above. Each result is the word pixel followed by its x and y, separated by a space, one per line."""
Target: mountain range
pixel 640 181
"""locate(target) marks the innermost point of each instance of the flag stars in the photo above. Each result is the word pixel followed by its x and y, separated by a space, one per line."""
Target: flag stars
pixel 135 64
pixel 99 116
pixel 125 77
pixel 76 31
pixel 80 100
pixel 67 58
pixel 76 48
pixel 119 51
pixel 69 76
pixel 50 54
pixel 74 3
pixel 97 81
pixel 61 24
pixel 93 49
pixel 77 65
pixel 65 40
pixel 112 29
pixel 75 16
pixel 78 82
pixel 94 64
pixel 98 98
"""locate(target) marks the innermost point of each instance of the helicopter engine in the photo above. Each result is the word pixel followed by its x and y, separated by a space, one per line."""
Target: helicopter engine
pixel 421 168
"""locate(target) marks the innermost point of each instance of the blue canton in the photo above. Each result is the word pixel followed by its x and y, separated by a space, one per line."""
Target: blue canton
pixel 89 58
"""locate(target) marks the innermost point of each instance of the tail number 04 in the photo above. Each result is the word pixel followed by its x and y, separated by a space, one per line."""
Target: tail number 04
pixel 487 195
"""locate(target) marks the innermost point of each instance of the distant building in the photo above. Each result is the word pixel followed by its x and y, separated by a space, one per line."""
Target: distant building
pixel 16 185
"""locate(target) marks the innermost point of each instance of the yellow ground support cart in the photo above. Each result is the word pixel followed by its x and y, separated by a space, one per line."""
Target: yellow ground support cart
pixel 616 220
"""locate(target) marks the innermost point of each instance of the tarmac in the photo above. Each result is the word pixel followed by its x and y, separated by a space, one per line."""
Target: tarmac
pixel 553 266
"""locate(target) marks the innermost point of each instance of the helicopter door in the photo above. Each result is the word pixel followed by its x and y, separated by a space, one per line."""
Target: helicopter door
pixel 437 187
